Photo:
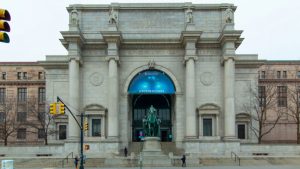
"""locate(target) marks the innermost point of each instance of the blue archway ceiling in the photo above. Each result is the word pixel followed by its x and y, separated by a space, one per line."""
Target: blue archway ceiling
pixel 151 82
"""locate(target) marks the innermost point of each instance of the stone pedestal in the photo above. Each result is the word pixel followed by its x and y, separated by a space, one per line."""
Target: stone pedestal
pixel 152 146
pixel 152 154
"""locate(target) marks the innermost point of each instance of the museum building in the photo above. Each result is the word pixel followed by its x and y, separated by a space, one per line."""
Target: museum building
pixel 177 57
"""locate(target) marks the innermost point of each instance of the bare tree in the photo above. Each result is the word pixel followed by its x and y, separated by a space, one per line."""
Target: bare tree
pixel 294 107
pixel 8 122
pixel 40 119
pixel 263 102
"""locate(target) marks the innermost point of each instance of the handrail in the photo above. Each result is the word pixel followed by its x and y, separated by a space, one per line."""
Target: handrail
pixel 236 157
pixel 66 158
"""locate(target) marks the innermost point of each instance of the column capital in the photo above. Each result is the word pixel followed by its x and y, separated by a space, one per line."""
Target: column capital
pixel 194 57
pixel 226 58
pixel 116 58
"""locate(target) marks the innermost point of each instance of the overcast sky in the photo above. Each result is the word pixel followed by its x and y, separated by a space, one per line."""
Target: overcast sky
pixel 271 27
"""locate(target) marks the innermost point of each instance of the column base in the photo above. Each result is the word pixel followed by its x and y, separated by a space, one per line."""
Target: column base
pixel 112 139
pixel 190 138
pixel 230 139
pixel 73 139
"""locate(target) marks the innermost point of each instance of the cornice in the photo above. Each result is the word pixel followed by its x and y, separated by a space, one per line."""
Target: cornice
pixel 187 36
pixel 231 36
pixel 54 64
pixel 72 36
pixel 112 36
pixel 151 6
pixel 248 63
pixel 281 81
pixel 22 82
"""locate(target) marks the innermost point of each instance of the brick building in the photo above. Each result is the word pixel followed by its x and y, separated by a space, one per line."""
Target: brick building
pixel 282 78
pixel 22 102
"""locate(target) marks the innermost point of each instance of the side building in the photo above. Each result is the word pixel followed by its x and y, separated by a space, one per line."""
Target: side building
pixel 280 81
pixel 22 103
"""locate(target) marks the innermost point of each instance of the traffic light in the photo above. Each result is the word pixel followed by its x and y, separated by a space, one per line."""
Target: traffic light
pixel 61 108
pixel 53 108
pixel 4 26
pixel 86 125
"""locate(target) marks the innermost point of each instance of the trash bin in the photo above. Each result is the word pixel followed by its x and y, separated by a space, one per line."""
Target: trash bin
pixel 7 164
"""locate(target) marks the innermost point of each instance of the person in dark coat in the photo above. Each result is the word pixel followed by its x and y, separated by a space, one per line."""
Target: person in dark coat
pixel 125 151
pixel 183 161
pixel 76 162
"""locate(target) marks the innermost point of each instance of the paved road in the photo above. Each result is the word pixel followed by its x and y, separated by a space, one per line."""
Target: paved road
pixel 201 167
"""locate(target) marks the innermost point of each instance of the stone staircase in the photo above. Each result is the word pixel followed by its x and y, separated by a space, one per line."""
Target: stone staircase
pixel 171 147
pixel 137 147
pixel 52 162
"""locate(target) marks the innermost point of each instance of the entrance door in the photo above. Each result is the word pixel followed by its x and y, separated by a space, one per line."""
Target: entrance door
pixel 140 106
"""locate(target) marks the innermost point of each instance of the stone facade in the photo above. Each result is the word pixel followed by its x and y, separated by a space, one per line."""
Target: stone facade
pixel 22 85
pixel 193 44
pixel 286 74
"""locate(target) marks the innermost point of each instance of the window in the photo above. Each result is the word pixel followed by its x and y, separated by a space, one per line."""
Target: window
pixel 278 74
pixel 24 75
pixel 42 95
pixel 96 127
pixel 62 130
pixel 262 74
pixel 2 117
pixel 21 133
pixel 282 96
pixel 41 116
pixel 207 127
pixel 262 96
pixel 298 74
pixel 40 75
pixel 241 129
pixel 284 75
pixel 3 75
pixel 22 94
pixel 21 116
pixel 2 95
pixel 19 75
pixel 41 133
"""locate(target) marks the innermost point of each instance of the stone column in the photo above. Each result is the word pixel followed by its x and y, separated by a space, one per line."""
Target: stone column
pixel 229 81
pixel 189 39
pixel 113 39
pixel 74 92
pixel 113 99
pixel 229 40
pixel 190 98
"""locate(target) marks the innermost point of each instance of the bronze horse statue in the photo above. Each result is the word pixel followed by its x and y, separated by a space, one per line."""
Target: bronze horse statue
pixel 151 124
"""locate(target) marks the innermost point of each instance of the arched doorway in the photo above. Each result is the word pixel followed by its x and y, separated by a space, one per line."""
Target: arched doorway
pixel 151 87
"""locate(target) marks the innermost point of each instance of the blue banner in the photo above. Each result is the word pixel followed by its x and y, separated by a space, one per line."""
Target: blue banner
pixel 151 82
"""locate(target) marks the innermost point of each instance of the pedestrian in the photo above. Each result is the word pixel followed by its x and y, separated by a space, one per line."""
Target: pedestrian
pixel 183 161
pixel 125 151
pixel 76 162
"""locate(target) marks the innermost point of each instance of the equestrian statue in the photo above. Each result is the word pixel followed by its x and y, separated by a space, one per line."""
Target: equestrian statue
pixel 151 124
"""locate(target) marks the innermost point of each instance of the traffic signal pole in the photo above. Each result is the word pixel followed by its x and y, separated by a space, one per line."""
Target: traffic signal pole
pixel 81 131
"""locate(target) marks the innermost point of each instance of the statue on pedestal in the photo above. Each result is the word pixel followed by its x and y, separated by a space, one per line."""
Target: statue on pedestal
pixel 151 124
pixel 113 16
pixel 189 15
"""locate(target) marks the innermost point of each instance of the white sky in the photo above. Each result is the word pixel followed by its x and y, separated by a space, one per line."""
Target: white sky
pixel 271 27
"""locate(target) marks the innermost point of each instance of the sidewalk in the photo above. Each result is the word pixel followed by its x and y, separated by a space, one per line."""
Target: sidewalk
pixel 202 167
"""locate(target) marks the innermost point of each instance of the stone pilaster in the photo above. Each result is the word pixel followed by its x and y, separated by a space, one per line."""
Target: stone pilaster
pixel 189 40
pixel 113 40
